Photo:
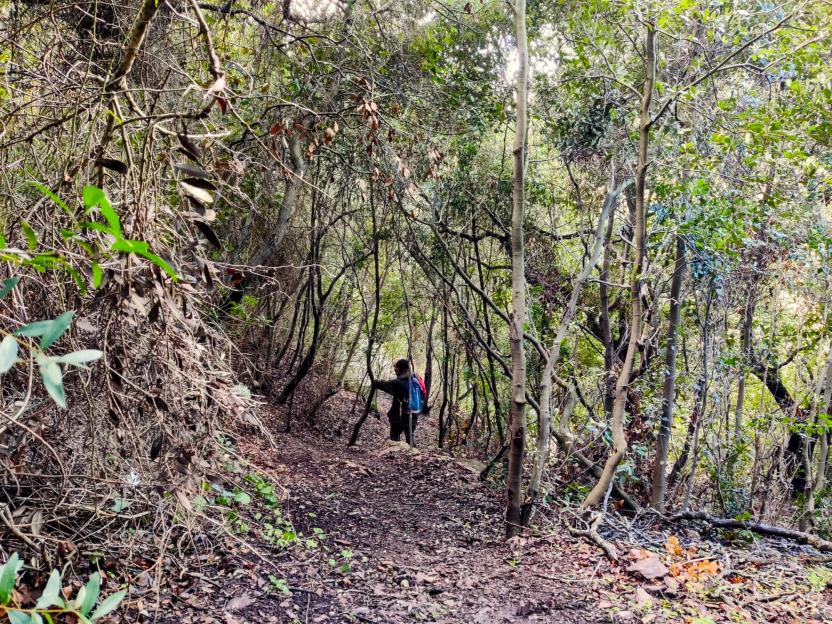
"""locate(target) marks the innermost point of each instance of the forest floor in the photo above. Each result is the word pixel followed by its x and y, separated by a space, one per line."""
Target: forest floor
pixel 381 533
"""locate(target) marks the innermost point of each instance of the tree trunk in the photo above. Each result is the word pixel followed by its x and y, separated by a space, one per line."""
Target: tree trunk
pixel 669 393
pixel 446 386
pixel 294 185
pixel 619 443
pixel 821 418
pixel 368 353
pixel 747 321
pixel 700 401
pixel 544 428
pixel 518 286
pixel 604 320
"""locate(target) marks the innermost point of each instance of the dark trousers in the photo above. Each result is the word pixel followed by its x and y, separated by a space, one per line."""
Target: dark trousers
pixel 399 426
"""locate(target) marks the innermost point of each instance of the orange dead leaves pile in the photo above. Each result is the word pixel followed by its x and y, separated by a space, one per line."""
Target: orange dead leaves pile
pixel 684 566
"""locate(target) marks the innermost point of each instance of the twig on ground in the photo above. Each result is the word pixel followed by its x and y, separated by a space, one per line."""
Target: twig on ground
pixel 591 534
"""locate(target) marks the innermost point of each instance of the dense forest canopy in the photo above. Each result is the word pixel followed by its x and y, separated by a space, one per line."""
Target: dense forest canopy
pixel 599 230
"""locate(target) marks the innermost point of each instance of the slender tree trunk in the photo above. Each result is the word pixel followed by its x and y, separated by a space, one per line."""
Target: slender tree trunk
pixel 821 418
pixel 544 428
pixel 669 393
pixel 518 286
pixel 747 321
pixel 368 353
pixel 700 399
pixel 604 321
pixel 301 292
pixel 446 386
pixel 352 349
pixel 294 186
pixel 492 379
pixel 429 355
pixel 619 437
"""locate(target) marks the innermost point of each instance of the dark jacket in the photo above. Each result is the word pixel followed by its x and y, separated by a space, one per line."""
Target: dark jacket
pixel 399 389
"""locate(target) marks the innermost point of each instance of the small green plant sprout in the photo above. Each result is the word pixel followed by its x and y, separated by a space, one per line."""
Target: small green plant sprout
pixel 52 603
pixel 280 584
pixel 264 489
pixel 347 556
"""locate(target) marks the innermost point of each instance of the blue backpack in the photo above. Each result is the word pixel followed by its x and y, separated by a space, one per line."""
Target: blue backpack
pixel 417 401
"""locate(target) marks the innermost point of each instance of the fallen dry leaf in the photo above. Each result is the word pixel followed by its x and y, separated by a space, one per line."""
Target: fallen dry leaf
pixel 649 568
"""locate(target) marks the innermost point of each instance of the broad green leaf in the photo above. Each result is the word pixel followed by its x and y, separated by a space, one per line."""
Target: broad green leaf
pixel 8 353
pixel 37 619
pixel 38 328
pixel 94 196
pixel 3 244
pixel 8 284
pixel 57 329
pixel 138 246
pixel 77 358
pixel 31 237
pixel 111 217
pixel 109 605
pixel 50 372
pixel 159 263
pixel 125 246
pixel 8 576
pixel 98 227
pixel 18 617
pixel 90 596
pixel 97 275
pixel 51 593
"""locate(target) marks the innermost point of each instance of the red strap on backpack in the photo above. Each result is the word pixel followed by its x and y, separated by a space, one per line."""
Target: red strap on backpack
pixel 422 386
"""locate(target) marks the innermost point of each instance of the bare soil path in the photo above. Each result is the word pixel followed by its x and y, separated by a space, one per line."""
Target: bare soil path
pixel 381 533
pixel 425 538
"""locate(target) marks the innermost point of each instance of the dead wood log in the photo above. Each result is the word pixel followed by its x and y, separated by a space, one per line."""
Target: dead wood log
pixel 591 534
pixel 800 537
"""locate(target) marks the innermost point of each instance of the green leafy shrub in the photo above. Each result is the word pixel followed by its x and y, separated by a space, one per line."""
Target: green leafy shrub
pixel 49 366
pixel 52 602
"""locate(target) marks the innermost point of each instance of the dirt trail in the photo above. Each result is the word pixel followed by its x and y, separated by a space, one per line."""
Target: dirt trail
pixel 431 536
pixel 383 534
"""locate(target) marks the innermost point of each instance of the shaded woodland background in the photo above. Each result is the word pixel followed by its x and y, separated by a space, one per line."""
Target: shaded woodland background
pixel 240 201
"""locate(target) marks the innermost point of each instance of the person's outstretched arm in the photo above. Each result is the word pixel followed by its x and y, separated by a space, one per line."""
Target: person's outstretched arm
pixel 385 386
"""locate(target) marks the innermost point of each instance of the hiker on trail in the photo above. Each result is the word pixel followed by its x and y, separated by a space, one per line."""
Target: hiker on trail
pixel 408 392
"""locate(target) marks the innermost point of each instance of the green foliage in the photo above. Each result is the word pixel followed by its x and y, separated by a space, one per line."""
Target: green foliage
pixel 280 585
pixel 49 367
pixel 819 578
pixel 51 604
pixel 264 488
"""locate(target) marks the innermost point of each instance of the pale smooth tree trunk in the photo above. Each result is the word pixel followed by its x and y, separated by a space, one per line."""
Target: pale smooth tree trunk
pixel 544 429
pixel 517 414
pixel 619 437
pixel 657 496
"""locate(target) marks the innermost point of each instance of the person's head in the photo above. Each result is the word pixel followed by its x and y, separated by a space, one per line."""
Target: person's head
pixel 401 367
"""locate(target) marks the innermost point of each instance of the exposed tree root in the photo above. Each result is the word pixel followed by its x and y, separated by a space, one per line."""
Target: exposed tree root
pixel 591 534
pixel 763 529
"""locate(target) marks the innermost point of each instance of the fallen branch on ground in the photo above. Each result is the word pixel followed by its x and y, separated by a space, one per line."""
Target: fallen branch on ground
pixel 763 529
pixel 591 534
